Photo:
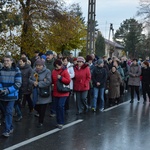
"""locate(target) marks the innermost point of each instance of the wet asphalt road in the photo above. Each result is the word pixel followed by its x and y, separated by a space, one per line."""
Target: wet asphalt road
pixel 122 127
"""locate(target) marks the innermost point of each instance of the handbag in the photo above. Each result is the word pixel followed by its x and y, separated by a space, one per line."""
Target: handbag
pixel 44 92
pixel 62 87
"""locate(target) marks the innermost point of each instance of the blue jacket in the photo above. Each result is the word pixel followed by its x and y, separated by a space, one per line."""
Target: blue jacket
pixel 10 80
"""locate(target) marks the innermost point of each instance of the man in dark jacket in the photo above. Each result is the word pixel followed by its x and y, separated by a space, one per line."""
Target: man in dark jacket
pixel 33 59
pixel 145 81
pixel 99 78
pixel 10 82
pixel 49 63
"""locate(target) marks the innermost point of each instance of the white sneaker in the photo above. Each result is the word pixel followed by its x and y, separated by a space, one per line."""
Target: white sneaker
pixel 102 109
pixel 60 126
pixel 6 134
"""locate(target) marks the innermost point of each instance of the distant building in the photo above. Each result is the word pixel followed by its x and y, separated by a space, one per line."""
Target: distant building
pixel 113 49
pixel 75 52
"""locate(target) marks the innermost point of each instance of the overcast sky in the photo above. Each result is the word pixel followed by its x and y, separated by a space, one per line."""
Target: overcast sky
pixel 110 11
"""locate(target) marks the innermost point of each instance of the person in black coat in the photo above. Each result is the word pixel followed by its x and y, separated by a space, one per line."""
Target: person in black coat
pixel 99 77
pixel 109 63
pixel 145 80
pixel 26 88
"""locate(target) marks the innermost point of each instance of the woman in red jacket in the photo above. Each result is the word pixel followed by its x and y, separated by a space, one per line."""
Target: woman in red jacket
pixel 59 73
pixel 81 84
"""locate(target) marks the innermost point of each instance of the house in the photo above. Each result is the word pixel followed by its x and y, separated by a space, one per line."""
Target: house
pixel 113 49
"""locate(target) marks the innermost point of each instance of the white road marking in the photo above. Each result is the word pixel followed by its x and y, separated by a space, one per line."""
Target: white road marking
pixel 55 130
pixel 42 135
pixel 116 106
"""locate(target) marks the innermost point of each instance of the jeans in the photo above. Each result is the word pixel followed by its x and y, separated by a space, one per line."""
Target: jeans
pixel 60 103
pixel 17 108
pixel 99 91
pixel 9 105
pixel 81 101
pixel 53 106
pixel 34 96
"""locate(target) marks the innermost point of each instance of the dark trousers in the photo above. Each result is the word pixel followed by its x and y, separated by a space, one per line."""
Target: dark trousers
pixel 114 101
pixel 126 84
pixel 41 109
pixel 122 89
pixel 136 89
pixel 67 102
pixel 89 97
pixel 2 109
pixel 27 97
pixel 145 89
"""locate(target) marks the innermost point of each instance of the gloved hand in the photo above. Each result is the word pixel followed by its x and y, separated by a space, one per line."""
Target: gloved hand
pixel 4 92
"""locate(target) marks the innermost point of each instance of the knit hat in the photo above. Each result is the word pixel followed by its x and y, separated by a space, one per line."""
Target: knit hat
pixel 99 61
pixel 80 58
pixel 49 52
pixel 39 62
pixel 44 57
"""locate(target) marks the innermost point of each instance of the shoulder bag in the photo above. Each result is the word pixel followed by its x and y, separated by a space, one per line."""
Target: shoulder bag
pixel 44 92
pixel 62 87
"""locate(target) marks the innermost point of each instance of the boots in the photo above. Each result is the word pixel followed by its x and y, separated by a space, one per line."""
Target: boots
pixel 131 101
pixel 138 98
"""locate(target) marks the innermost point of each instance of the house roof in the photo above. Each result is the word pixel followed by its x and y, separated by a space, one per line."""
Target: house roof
pixel 114 44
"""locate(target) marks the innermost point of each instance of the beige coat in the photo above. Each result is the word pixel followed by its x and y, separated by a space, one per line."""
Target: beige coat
pixel 114 85
pixel 134 75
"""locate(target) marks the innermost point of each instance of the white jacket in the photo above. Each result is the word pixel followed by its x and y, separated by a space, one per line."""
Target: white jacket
pixel 71 73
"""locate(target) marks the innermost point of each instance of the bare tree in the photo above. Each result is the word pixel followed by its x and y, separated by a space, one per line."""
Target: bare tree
pixel 144 11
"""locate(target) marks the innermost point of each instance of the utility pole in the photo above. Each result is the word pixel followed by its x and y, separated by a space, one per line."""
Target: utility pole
pixel 90 47
pixel 111 29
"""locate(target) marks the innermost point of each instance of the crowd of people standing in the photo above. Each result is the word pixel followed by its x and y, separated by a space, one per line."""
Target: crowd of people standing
pixel 90 80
